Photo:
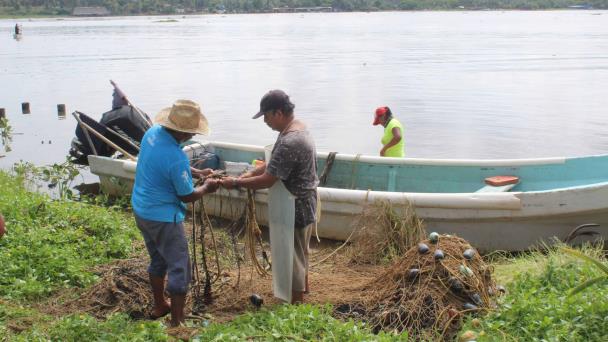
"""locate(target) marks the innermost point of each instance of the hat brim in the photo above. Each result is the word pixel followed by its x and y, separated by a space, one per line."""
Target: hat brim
pixel 376 121
pixel 257 115
pixel 162 118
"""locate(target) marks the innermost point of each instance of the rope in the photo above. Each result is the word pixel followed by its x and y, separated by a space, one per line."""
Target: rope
pixel 253 235
pixel 329 163
pixel 335 250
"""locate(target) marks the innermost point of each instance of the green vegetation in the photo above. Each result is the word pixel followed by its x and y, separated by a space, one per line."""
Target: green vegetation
pixel 295 323
pixel 51 244
pixel 6 134
pixel 118 327
pixel 538 306
pixel 21 8
pixel 594 261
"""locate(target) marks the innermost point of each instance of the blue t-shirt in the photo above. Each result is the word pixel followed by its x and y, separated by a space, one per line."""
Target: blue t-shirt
pixel 162 174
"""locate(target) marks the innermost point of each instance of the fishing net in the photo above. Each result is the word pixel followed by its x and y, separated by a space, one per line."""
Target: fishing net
pixel 123 287
pixel 426 294
pixel 384 232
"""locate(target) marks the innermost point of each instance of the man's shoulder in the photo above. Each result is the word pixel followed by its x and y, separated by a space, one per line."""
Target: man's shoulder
pixel 296 138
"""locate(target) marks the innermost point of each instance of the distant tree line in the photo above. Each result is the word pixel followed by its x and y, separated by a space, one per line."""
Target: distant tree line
pixel 128 7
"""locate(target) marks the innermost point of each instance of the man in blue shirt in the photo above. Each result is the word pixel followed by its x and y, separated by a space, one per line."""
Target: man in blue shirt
pixel 163 181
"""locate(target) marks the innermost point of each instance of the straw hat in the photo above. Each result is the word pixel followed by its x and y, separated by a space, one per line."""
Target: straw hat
pixel 185 116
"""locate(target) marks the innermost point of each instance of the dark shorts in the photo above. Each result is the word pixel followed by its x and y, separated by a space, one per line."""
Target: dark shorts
pixel 168 248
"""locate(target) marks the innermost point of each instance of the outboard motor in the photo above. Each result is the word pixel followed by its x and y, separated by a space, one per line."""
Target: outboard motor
pixel 117 125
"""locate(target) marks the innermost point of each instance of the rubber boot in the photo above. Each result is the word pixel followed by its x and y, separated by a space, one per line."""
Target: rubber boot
pixel 177 309
pixel 297 297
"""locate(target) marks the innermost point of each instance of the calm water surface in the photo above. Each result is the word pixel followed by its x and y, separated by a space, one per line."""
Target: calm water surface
pixel 464 84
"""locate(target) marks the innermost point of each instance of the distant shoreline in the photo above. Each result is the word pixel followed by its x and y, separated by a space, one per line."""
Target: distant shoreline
pixel 5 16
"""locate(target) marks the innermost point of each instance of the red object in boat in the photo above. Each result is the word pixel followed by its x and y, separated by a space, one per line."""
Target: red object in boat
pixel 502 180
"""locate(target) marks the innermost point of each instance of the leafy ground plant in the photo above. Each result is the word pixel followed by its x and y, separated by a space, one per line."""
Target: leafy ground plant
pixel 51 244
pixel 538 305
pixel 118 327
pixel 292 323
pixel 602 279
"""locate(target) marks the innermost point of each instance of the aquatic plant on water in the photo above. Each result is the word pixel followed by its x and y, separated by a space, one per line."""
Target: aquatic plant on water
pixel 6 134
pixel 57 176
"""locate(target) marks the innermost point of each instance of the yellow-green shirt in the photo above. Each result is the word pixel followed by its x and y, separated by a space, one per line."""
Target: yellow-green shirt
pixel 399 149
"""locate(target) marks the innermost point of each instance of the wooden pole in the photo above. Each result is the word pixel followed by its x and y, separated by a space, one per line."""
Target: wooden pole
pixel 123 138
pixel 106 140
pixel 2 113
pixel 61 110
pixel 86 133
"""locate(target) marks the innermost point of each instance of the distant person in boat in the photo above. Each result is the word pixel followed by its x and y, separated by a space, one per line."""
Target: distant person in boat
pixel 2 226
pixel 293 161
pixel 17 29
pixel 163 181
pixel 392 140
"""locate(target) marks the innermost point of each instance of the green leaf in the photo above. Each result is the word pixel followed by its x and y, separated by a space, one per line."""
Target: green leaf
pixel 587 284
pixel 583 256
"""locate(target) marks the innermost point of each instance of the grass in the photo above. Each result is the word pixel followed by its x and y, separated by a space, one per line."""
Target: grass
pixel 51 244
pixel 117 327
pixel 293 323
pixel 538 306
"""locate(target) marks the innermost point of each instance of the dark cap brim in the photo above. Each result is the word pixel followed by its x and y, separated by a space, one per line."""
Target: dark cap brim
pixel 257 115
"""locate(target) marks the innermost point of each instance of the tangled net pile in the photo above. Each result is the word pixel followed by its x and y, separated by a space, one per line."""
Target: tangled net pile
pixel 425 295
pixel 123 288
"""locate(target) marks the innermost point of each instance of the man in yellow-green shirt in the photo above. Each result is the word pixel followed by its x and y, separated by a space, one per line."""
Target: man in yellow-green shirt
pixel 392 140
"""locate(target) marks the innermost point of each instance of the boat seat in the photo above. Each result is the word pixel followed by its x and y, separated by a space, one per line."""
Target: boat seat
pixel 499 184
pixel 492 188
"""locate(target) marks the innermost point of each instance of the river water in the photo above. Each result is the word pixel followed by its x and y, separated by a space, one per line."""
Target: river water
pixel 487 84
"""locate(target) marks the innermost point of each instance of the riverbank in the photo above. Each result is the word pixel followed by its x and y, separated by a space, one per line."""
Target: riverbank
pixel 412 6
pixel 58 252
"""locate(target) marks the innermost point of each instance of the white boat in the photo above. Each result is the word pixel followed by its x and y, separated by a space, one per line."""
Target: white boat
pixel 551 196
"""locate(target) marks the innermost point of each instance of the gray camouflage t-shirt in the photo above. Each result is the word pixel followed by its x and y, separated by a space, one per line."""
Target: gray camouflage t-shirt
pixel 294 162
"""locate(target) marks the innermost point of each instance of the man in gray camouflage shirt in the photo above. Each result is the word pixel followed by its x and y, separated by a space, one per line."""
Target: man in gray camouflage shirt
pixel 293 161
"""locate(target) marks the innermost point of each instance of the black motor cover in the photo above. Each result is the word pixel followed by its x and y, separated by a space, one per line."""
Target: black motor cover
pixel 125 121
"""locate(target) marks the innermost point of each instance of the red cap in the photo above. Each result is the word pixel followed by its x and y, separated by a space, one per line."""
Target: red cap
pixel 380 111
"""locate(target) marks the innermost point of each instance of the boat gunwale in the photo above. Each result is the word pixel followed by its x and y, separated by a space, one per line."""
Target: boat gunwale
pixel 413 161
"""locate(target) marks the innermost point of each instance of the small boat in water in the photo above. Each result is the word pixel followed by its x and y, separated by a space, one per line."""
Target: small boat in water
pixel 508 205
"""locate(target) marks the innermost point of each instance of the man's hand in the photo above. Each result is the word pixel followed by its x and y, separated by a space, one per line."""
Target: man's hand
pixel 229 182
pixel 200 173
pixel 211 185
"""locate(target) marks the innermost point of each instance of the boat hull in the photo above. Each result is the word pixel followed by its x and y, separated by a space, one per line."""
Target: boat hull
pixel 510 221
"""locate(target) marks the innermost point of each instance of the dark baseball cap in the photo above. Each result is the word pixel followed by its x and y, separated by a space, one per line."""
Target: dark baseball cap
pixel 274 100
